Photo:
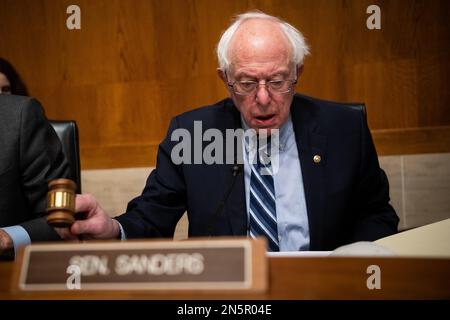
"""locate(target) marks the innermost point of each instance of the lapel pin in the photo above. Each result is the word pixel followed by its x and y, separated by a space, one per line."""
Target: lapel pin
pixel 317 158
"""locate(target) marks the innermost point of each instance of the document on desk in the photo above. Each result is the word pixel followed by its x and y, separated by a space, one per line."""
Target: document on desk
pixel 291 254
pixel 431 241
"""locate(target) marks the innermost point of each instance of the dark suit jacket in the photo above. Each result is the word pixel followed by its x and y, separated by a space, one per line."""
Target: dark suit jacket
pixel 347 194
pixel 30 156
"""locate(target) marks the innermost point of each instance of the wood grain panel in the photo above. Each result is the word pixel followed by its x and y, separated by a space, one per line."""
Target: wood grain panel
pixel 412 140
pixel 120 156
pixel 136 64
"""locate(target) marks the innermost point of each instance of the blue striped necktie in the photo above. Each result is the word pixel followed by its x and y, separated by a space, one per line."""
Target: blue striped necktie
pixel 263 217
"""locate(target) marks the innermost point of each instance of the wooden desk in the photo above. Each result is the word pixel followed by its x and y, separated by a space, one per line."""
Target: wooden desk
pixel 296 278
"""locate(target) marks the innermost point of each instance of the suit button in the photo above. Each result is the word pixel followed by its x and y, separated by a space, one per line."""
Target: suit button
pixel 317 158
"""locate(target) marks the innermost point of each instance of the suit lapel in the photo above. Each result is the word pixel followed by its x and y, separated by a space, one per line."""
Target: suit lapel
pixel 235 207
pixel 311 144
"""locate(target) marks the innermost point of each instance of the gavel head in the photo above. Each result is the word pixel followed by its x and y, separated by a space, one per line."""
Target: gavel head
pixel 61 203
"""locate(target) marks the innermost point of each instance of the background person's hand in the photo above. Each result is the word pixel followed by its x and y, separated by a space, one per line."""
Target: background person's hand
pixel 6 242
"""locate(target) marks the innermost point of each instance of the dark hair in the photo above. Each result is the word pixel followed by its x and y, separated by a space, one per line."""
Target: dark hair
pixel 17 85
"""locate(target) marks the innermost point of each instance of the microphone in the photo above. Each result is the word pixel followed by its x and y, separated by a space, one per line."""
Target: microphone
pixel 236 170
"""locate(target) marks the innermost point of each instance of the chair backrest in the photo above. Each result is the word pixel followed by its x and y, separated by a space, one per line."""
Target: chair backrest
pixel 356 106
pixel 67 132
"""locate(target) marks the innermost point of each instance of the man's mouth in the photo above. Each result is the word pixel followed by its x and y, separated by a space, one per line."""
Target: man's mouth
pixel 265 117
pixel 265 121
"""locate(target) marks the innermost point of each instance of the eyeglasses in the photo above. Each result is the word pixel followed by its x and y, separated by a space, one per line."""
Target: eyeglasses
pixel 248 88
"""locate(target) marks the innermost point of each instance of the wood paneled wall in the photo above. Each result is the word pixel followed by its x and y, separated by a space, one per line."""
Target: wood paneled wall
pixel 136 63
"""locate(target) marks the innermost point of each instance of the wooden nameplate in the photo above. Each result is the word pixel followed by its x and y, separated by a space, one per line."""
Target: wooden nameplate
pixel 200 264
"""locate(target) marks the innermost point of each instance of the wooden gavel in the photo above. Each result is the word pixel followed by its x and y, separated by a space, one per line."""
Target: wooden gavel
pixel 61 203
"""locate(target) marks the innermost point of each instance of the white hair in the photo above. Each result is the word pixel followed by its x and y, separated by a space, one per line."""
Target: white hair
pixel 299 46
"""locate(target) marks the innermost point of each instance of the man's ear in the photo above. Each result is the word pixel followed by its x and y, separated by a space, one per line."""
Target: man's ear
pixel 222 75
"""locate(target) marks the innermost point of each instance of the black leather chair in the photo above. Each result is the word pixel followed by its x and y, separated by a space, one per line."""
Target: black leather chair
pixel 356 106
pixel 67 132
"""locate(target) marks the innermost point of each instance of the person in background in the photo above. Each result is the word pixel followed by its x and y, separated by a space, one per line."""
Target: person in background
pixel 30 156
pixel 10 81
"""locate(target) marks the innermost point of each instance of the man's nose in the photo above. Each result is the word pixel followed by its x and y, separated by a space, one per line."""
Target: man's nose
pixel 262 94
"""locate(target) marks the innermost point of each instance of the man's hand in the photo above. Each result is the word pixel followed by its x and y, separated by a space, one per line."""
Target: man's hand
pixel 97 225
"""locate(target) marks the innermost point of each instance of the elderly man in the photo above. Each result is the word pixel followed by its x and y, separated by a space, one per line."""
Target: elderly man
pixel 328 189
